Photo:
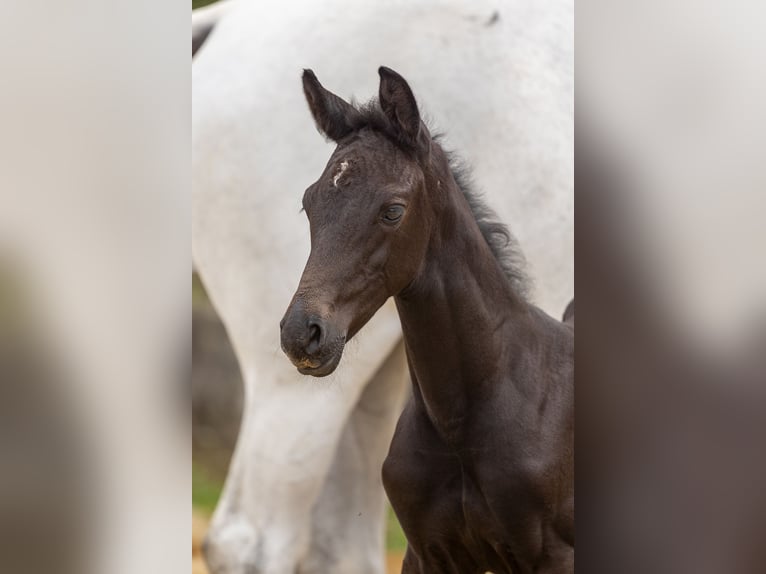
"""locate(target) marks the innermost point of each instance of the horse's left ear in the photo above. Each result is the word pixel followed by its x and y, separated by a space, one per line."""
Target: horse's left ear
pixel 334 116
pixel 399 105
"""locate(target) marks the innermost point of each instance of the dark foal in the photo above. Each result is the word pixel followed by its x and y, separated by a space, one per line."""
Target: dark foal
pixel 480 470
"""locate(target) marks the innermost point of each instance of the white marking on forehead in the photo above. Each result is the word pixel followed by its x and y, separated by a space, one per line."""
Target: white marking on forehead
pixel 341 171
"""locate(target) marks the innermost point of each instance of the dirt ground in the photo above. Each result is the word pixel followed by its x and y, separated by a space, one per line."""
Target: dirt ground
pixel 199 526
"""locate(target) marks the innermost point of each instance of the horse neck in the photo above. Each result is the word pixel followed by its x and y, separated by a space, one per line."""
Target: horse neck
pixel 458 312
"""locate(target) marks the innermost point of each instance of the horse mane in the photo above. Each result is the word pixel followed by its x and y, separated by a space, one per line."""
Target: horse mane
pixel 501 241
pixel 498 236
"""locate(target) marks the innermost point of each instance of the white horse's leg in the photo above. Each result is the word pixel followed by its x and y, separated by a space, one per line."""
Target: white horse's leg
pixel 348 520
pixel 290 434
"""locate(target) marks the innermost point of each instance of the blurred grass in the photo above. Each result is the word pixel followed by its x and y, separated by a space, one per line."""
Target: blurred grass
pixel 199 296
pixel 206 491
pixel 395 539
pixel 200 3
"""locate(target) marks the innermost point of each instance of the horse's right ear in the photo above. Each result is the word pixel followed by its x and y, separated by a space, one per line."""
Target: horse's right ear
pixel 399 105
pixel 334 116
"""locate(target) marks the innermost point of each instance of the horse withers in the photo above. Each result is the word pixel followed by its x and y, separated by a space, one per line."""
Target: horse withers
pixel 480 469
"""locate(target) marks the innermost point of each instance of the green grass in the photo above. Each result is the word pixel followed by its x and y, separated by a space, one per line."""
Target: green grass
pixel 200 3
pixel 199 295
pixel 205 492
pixel 395 539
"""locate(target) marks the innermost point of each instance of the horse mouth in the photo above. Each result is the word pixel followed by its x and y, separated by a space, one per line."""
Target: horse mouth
pixel 320 369
pixel 325 363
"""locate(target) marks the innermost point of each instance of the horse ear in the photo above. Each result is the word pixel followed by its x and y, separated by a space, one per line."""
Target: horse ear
pixel 399 105
pixel 333 115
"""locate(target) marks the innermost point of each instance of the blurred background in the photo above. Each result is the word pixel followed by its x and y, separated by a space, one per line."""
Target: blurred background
pixel 94 442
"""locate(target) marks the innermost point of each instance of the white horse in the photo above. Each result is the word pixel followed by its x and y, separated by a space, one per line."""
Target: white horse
pixel 303 492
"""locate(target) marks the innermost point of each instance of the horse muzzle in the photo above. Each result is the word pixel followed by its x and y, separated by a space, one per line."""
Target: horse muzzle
pixel 312 343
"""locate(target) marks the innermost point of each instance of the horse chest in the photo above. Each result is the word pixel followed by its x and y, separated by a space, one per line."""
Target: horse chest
pixel 443 509
pixel 486 536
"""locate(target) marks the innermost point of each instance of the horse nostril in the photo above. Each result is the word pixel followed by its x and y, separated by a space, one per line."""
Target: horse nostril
pixel 282 324
pixel 315 338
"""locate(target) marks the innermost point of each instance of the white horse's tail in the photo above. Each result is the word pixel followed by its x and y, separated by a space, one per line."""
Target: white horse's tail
pixel 204 20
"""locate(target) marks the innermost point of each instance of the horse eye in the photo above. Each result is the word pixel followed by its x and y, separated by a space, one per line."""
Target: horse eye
pixel 393 213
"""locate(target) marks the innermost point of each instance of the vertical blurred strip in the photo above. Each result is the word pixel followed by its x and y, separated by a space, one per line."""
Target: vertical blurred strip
pixel 670 190
pixel 95 233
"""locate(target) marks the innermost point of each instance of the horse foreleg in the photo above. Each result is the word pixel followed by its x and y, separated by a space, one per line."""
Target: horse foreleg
pixel 411 564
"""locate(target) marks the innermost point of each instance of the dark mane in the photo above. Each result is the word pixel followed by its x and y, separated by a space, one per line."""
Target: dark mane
pixel 501 241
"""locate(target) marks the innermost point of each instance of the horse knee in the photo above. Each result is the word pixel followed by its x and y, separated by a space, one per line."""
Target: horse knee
pixel 233 546
pixel 389 474
pixel 399 476
pixel 229 547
